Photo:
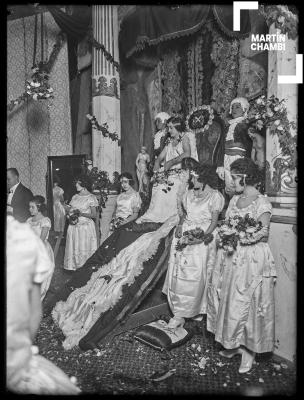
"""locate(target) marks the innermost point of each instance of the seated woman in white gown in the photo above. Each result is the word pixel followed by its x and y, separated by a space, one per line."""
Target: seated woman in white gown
pixel 170 179
pixel 112 281
pixel 128 203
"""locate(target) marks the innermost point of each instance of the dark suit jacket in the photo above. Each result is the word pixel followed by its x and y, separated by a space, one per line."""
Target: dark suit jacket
pixel 240 135
pixel 20 203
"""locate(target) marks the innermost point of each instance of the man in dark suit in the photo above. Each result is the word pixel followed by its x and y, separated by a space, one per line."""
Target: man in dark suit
pixel 18 197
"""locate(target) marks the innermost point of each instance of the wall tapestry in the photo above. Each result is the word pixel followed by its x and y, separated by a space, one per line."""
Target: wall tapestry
pixel 225 56
pixel 36 131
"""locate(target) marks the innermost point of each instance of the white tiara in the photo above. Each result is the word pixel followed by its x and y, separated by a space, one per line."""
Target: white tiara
pixel 193 173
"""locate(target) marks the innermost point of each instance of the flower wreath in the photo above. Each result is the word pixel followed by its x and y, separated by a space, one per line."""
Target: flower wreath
pixel 196 120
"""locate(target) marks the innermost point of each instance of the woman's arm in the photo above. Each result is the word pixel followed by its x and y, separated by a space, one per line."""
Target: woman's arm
pixel 92 214
pixel 160 159
pixel 214 221
pixel 132 217
pixel 44 233
pixel 36 309
pixel 253 153
pixel 264 232
pixel 186 153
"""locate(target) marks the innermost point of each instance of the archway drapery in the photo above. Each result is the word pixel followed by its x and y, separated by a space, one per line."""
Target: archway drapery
pixel 151 25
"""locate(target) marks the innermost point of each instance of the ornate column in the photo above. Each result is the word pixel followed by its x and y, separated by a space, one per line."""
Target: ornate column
pixel 282 191
pixel 281 185
pixel 106 89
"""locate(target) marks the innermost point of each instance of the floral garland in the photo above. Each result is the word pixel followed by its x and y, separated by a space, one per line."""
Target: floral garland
pixel 196 119
pixel 104 129
pixel 283 19
pixel 38 88
pixel 101 47
pixel 272 113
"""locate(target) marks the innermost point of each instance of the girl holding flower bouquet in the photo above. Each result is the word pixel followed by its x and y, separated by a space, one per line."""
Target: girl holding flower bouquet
pixel 241 292
pixel 81 241
pixel 193 248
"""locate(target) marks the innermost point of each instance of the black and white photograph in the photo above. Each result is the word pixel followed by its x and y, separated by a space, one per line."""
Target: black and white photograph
pixel 152 182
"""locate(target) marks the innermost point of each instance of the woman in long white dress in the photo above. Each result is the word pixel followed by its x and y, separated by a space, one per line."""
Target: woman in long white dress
pixel 241 293
pixel 189 269
pixel 58 208
pixel 81 240
pixel 41 226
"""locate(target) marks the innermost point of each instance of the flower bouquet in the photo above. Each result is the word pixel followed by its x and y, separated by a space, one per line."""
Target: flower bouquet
pixel 115 223
pixel 38 87
pixel 73 217
pixel 243 230
pixel 228 234
pixel 193 236
pixel 249 230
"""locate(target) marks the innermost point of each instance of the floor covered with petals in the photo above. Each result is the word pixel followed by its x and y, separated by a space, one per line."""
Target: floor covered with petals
pixel 125 366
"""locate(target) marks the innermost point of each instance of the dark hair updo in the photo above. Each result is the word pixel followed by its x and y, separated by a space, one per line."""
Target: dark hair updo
pixel 190 163
pixel 127 175
pixel 84 181
pixel 40 203
pixel 207 175
pixel 178 122
pixel 246 166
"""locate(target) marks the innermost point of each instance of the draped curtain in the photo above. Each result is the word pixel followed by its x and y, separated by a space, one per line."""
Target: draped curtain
pixel 151 25
pixel 76 26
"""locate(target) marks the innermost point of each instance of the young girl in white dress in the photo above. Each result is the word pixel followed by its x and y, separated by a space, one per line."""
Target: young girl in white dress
pixel 128 202
pixel 241 293
pixel 189 269
pixel 59 211
pixel 81 241
pixel 41 226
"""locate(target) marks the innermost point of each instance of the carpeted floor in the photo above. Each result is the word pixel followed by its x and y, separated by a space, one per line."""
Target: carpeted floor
pixel 125 366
